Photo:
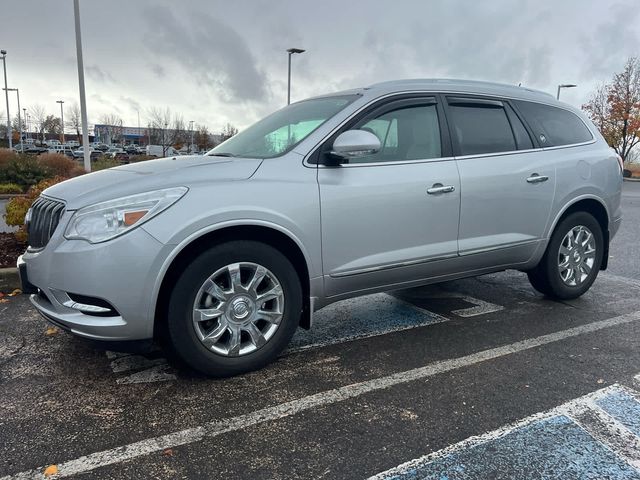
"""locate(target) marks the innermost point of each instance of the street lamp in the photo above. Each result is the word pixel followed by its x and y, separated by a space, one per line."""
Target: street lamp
pixel 19 119
pixel 291 51
pixel 61 118
pixel 564 85
pixel 190 128
pixel 83 99
pixel 6 96
pixel 26 123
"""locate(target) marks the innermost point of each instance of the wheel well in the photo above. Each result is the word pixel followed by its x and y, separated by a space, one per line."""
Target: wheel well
pixel 271 237
pixel 598 211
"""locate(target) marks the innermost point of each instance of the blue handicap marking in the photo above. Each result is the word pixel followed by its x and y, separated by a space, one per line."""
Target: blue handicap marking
pixel 567 443
pixel 360 318
pixel 624 408
pixel 553 448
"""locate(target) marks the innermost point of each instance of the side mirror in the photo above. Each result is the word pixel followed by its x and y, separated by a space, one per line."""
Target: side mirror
pixel 355 143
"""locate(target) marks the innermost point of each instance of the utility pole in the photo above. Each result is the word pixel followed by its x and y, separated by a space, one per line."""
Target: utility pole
pixel 191 143
pixel 291 51
pixel 6 96
pixel 19 119
pixel 83 99
pixel 61 102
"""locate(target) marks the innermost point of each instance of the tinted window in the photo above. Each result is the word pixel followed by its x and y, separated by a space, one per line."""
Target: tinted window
pixel 408 133
pixel 481 128
pixel 554 126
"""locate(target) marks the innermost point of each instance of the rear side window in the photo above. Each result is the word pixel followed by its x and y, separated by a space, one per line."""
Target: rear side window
pixel 480 126
pixel 554 126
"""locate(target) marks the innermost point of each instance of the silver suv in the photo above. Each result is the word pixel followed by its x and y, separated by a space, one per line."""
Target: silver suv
pixel 405 183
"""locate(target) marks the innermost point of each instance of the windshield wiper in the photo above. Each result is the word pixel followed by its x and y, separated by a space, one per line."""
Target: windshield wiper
pixel 222 155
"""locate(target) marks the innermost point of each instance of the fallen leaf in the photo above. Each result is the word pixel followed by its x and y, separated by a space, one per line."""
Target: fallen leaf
pixel 600 380
pixel 167 452
pixel 50 470
pixel 4 300
pixel 1 294
pixel 17 291
pixel 51 331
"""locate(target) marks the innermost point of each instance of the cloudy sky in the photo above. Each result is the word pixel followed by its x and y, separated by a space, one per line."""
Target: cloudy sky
pixel 224 61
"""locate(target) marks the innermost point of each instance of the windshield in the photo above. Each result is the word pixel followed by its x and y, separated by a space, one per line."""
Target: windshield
pixel 281 131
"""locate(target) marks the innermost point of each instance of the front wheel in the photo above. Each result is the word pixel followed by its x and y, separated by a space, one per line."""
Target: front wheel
pixel 572 260
pixel 234 308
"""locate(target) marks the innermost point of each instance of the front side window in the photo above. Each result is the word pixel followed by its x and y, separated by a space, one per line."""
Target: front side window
pixel 554 126
pixel 406 133
pixel 480 127
pixel 281 131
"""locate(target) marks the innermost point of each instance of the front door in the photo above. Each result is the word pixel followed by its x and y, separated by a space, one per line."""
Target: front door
pixel 392 217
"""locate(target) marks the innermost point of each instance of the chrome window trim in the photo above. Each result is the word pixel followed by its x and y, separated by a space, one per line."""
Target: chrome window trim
pixel 306 163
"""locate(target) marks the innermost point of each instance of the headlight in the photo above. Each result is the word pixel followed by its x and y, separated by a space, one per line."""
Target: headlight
pixel 104 221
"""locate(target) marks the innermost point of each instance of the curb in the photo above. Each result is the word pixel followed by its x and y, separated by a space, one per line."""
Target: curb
pixel 631 179
pixel 9 279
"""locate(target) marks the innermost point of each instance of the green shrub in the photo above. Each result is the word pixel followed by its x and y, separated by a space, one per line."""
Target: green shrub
pixel 18 206
pixel 57 164
pixel 103 162
pixel 21 170
pixel 8 188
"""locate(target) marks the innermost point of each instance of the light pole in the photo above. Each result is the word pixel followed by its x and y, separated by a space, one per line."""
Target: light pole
pixel 61 102
pixel 164 148
pixel 191 143
pixel 19 119
pixel 83 99
pixel 26 124
pixel 291 51
pixel 6 96
pixel 564 85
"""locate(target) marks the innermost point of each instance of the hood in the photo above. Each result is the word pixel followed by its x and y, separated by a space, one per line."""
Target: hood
pixel 150 175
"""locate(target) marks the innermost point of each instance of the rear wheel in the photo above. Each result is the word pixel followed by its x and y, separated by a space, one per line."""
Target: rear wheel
pixel 234 308
pixel 573 258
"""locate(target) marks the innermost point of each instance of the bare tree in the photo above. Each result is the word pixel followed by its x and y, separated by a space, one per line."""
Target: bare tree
pixel 38 118
pixel 228 131
pixel 52 125
pixel 202 137
pixel 112 127
pixel 166 128
pixel 74 119
pixel 615 109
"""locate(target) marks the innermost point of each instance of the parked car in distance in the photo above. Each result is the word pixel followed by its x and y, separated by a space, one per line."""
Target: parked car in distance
pixel 78 153
pixel 73 143
pixel 160 151
pixel 63 149
pixel 51 143
pixel 229 252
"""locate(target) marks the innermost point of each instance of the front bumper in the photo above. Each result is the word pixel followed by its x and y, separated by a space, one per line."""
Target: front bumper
pixel 121 272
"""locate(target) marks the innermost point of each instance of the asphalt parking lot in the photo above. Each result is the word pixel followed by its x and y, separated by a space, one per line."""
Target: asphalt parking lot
pixel 478 378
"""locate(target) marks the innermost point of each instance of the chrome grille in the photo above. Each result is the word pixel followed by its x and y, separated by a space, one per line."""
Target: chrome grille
pixel 43 220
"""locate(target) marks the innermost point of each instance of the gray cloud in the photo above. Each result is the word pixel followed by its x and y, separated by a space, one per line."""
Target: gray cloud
pixel 211 51
pixel 215 61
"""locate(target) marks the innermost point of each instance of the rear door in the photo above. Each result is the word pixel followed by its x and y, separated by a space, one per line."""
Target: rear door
pixel 508 184
pixel 392 217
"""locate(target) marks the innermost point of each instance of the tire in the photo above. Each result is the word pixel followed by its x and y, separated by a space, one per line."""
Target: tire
pixel 247 335
pixel 553 275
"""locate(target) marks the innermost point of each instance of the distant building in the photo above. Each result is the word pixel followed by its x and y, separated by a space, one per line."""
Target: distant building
pixel 105 133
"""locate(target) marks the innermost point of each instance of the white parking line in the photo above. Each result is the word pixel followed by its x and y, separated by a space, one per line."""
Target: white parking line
pixel 116 455
pixel 606 429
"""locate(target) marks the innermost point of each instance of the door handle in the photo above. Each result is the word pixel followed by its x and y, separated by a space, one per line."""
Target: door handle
pixel 439 188
pixel 535 178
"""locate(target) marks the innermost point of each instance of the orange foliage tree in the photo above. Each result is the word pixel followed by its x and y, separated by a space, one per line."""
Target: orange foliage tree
pixel 615 109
